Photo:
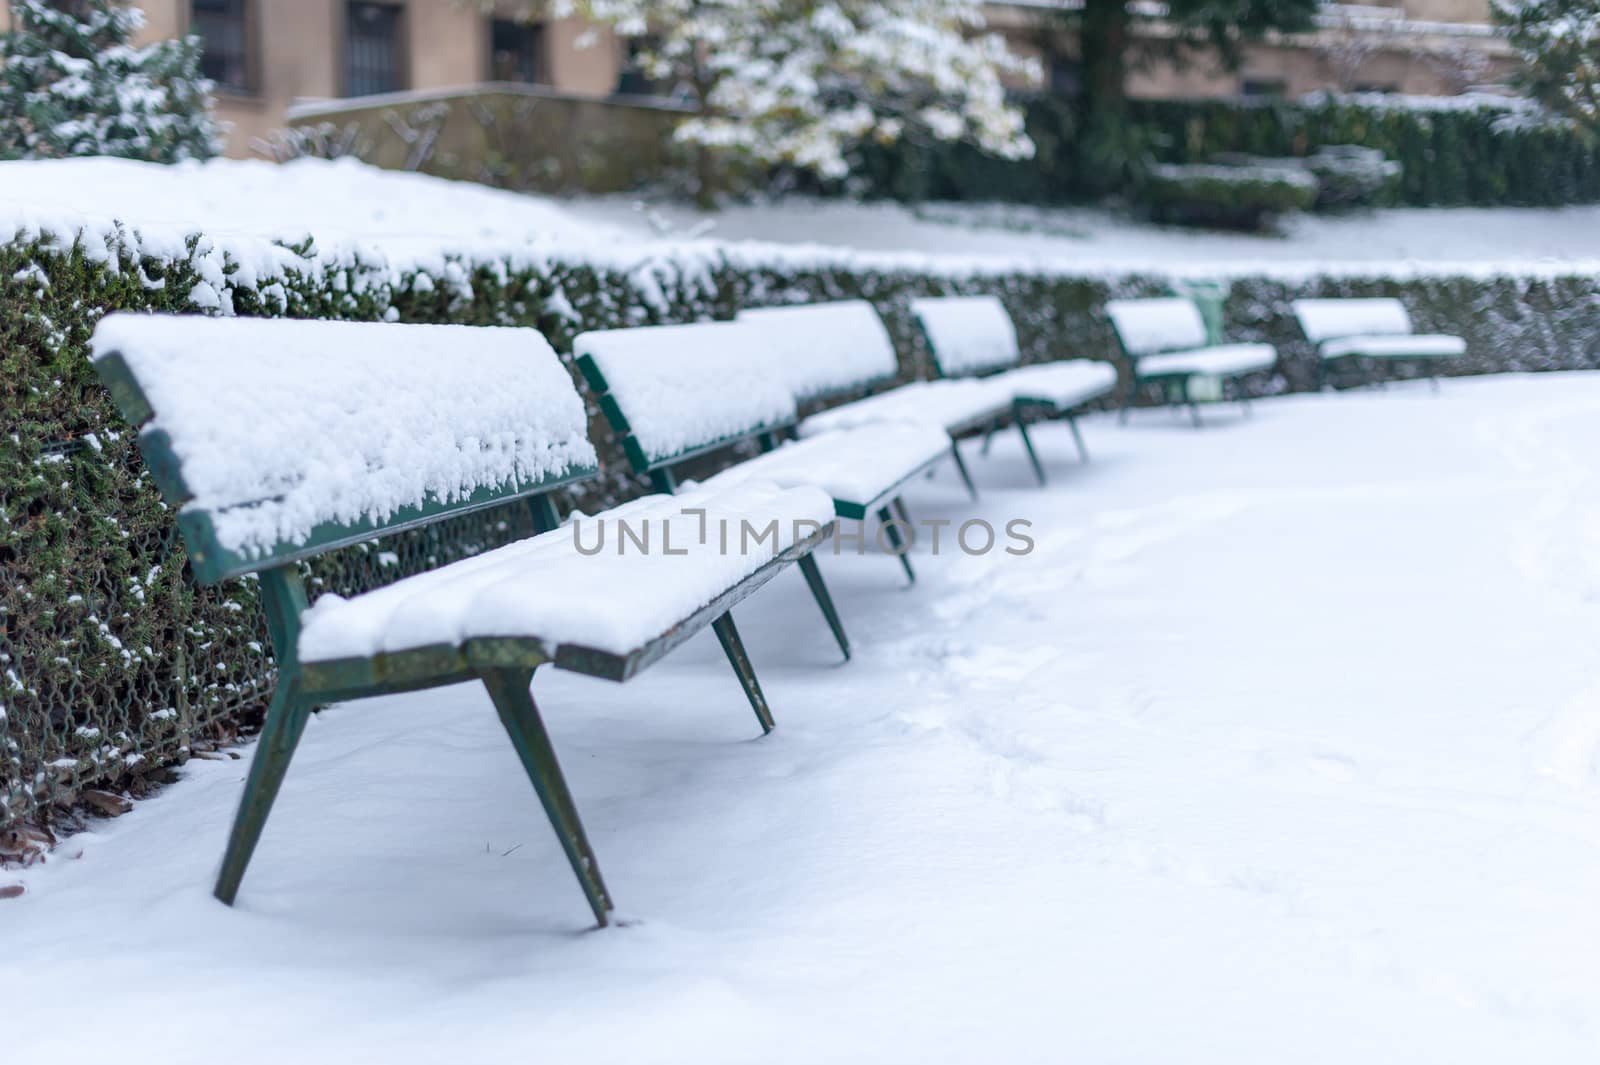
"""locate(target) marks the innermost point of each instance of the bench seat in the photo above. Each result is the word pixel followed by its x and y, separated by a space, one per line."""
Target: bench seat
pixel 1063 385
pixel 860 468
pixel 1396 346
pixel 953 405
pixel 545 590
pixel 1224 360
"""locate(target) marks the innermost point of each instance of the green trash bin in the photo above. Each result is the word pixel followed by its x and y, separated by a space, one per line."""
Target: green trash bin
pixel 1210 296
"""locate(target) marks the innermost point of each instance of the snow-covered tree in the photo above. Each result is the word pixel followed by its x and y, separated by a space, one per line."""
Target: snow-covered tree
pixel 1559 41
pixel 72 82
pixel 799 82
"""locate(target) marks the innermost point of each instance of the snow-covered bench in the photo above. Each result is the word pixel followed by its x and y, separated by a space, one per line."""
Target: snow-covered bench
pixel 1165 340
pixel 972 338
pixel 1374 332
pixel 278 441
pixel 827 352
pixel 675 393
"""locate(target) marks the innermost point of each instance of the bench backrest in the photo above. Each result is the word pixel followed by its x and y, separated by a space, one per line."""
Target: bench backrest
pixel 967 335
pixel 1152 326
pixel 1328 319
pixel 282 439
pixel 675 391
pixel 826 350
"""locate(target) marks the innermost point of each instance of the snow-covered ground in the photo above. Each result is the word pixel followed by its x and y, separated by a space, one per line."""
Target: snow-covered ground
pixel 1093 239
pixel 410 219
pixel 341 199
pixel 1284 745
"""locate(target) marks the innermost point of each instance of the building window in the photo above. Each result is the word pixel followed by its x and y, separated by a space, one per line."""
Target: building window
pixel 516 51
pixel 1269 88
pixel 631 78
pixel 224 28
pixel 373 56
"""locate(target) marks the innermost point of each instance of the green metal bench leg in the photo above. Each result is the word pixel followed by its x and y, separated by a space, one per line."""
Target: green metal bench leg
pixel 961 468
pixel 819 592
pixel 1129 396
pixel 1194 408
pixel 1077 438
pixel 894 540
pixel 988 437
pixel 1027 444
pixel 733 647
pixel 285 722
pixel 508 688
pixel 900 510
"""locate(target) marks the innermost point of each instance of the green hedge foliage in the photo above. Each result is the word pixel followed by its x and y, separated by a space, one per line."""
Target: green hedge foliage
pixel 1453 156
pixel 114 665
pixel 1230 197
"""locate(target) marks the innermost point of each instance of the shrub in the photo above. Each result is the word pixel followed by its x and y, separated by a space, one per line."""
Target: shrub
pixel 1231 197
pixel 1350 176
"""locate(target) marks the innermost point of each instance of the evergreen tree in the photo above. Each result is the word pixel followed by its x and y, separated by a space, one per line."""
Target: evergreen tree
pixel 73 83
pixel 1560 45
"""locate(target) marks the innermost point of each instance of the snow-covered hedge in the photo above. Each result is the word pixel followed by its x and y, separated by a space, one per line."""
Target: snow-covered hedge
pixel 1233 197
pixel 1457 151
pixel 113 665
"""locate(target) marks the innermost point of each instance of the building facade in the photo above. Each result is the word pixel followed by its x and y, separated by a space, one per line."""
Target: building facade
pixel 267 55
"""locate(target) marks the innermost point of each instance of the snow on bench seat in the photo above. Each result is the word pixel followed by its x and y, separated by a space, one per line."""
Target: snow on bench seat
pixel 1165 339
pixel 826 349
pixel 1224 360
pixel 1324 319
pixel 953 406
pixel 1064 385
pixel 974 334
pixel 859 467
pixel 1411 346
pixel 281 426
pixel 546 589
pixel 1150 326
pixel 678 388
pixel 1372 328
pixel 968 334
pixel 726 389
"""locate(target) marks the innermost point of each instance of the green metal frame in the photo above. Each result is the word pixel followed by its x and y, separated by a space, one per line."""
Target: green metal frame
pixel 505 665
pixel 1175 386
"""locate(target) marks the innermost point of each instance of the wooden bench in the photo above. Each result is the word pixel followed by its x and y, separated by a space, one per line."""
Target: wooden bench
pixel 973 338
pixel 1166 344
pixel 833 352
pixel 278 441
pixel 676 393
pixel 1373 333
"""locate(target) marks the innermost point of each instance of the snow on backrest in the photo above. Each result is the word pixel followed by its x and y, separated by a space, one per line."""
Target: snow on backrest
pixel 684 387
pixel 823 349
pixel 1150 326
pixel 1326 319
pixel 280 426
pixel 968 334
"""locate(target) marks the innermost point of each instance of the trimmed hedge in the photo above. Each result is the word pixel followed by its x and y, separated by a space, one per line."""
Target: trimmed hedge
pixel 1232 197
pixel 1461 153
pixel 114 665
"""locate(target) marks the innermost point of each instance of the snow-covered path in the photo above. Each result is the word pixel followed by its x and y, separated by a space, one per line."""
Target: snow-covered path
pixel 1284 745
